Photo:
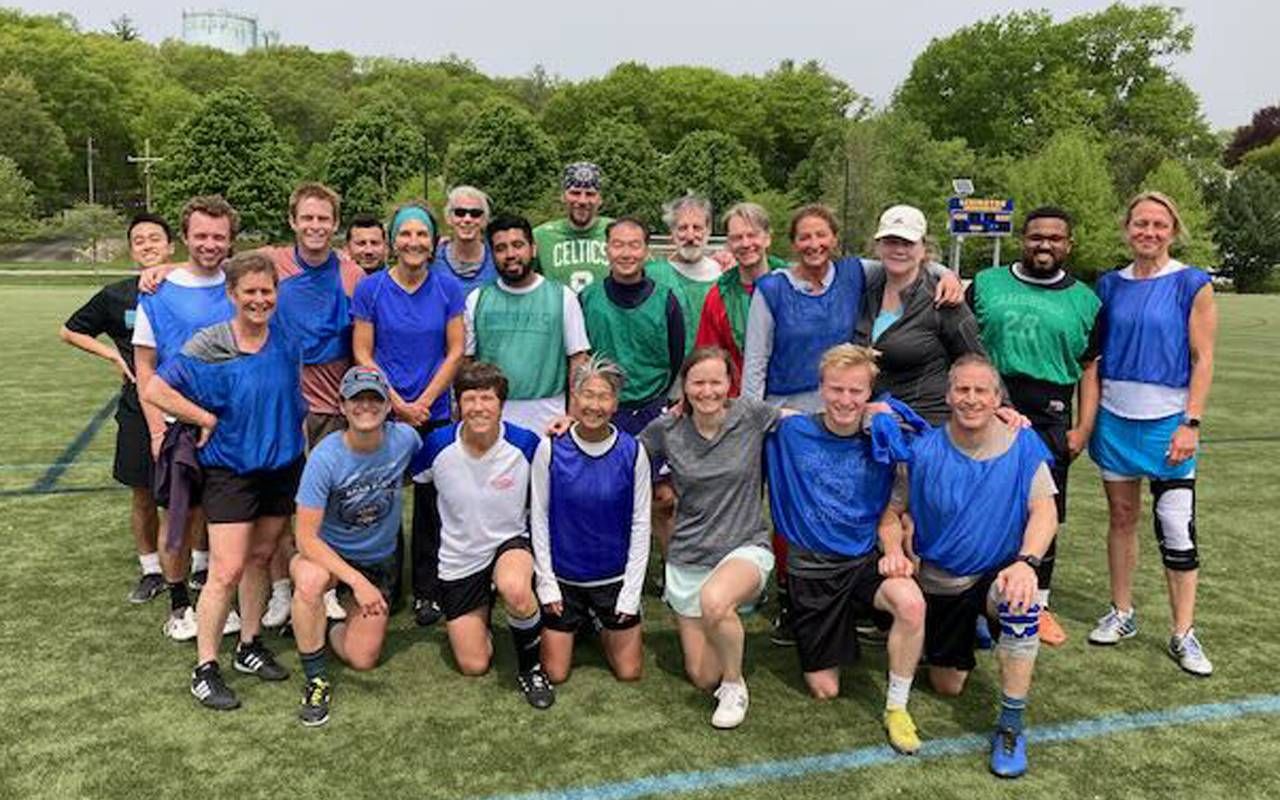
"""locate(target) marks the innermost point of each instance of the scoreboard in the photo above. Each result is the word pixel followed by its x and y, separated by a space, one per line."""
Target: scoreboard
pixel 978 216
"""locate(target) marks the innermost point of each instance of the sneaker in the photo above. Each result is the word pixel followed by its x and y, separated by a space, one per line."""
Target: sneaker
pixel 233 623
pixel 279 607
pixel 1114 626
pixel 332 608
pixel 902 731
pixel 255 659
pixel 870 635
pixel 181 625
pixel 148 587
pixel 208 687
pixel 982 634
pixel 1008 754
pixel 1051 633
pixel 1186 650
pixel 731 708
pixel 427 612
pixel 536 688
pixel 783 635
pixel 314 710
pixel 198 579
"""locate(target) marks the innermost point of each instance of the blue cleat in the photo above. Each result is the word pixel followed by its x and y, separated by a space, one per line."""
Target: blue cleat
pixel 1008 754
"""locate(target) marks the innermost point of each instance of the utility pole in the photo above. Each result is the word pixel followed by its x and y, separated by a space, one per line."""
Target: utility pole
pixel 89 161
pixel 147 161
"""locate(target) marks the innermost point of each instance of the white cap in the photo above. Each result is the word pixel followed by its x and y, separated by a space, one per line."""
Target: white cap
pixel 904 222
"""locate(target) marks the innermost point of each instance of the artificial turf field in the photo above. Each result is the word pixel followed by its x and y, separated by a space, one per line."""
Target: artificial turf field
pixel 94 701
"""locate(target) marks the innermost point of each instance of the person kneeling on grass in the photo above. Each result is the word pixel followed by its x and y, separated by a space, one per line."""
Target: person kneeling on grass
pixel 480 468
pixel 981 497
pixel 590 522
pixel 349 506
pixel 830 478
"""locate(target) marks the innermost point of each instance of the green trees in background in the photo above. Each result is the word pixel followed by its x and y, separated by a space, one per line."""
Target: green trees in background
pixel 370 154
pixel 504 152
pixel 31 138
pixel 17 201
pixel 714 165
pixel 1249 229
pixel 631 166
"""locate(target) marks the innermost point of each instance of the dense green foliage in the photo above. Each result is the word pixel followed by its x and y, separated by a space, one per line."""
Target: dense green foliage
pixel 17 200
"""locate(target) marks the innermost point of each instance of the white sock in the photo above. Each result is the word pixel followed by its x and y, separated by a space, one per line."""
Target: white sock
pixel 899 691
pixel 281 588
pixel 1043 598
pixel 199 560
pixel 150 563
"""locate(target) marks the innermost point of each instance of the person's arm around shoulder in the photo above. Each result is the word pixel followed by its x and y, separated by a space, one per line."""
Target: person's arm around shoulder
pixel 950 291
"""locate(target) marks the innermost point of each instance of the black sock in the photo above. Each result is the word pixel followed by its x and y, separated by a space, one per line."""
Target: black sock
pixel 313 664
pixel 178 597
pixel 527 635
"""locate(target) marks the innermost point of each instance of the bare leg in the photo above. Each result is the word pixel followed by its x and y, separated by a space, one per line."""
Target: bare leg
pixel 734 582
pixel 1123 502
pixel 231 542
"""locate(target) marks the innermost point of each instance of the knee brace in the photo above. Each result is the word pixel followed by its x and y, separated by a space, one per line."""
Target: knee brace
pixel 1019 631
pixel 1174 504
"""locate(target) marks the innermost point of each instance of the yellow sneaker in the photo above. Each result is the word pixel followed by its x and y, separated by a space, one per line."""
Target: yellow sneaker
pixel 902 731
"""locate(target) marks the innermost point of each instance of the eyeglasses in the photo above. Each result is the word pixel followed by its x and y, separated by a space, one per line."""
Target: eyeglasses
pixel 474 213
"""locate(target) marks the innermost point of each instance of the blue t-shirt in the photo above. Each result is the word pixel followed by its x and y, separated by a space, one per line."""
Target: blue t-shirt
pixel 359 492
pixel 313 307
pixel 487 274
pixel 409 341
pixel 257 398
pixel 176 312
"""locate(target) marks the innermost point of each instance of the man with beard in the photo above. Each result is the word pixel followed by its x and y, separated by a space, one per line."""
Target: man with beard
pixel 572 250
pixel 689 270
pixel 367 243
pixel 527 324
pixel 1037 323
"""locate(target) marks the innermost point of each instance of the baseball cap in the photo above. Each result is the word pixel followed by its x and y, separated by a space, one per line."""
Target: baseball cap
pixel 363 379
pixel 904 222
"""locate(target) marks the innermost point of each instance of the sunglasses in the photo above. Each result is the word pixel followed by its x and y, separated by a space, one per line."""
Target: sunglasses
pixel 474 213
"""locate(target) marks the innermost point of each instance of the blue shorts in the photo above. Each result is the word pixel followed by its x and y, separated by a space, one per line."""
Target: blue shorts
pixel 1128 449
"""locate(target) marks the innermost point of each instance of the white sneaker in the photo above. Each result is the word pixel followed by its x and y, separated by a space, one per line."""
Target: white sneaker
pixel 232 624
pixel 731 709
pixel 1190 656
pixel 279 608
pixel 1114 626
pixel 180 626
pixel 332 608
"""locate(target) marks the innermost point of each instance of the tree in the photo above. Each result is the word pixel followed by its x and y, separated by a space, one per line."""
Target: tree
pixel 17 201
pixel 122 28
pixel 504 152
pixel 798 105
pixel 1261 131
pixel 370 154
pixel 1266 159
pixel 714 165
pixel 30 136
pixel 1070 172
pixel 229 146
pixel 1174 180
pixel 88 224
pixel 630 165
pixel 1249 229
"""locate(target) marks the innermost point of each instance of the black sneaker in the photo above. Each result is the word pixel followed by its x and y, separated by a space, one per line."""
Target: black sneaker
pixel 783 635
pixel 255 659
pixel 426 612
pixel 315 703
pixel 198 579
pixel 536 688
pixel 148 587
pixel 208 687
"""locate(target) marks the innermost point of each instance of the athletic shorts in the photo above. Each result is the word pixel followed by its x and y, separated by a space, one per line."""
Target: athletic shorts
pixel 683 585
pixel 229 497
pixel 318 426
pixel 381 574
pixel 465 595
pixel 585 603
pixel 1129 449
pixel 824 612
pixel 950 622
pixel 133 465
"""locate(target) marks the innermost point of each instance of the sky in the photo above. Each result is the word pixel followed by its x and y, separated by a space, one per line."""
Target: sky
pixel 869 45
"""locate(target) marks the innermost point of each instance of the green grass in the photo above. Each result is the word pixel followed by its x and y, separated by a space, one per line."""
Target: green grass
pixel 94 702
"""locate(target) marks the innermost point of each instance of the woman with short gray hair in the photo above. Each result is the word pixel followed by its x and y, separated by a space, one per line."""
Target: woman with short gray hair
pixel 465 254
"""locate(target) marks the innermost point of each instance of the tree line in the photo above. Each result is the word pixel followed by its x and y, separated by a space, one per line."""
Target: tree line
pixel 1079 112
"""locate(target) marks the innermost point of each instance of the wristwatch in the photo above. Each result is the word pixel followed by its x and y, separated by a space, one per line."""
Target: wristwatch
pixel 1030 560
pixel 1191 422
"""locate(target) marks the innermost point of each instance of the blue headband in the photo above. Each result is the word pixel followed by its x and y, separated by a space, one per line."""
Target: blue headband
pixel 411 212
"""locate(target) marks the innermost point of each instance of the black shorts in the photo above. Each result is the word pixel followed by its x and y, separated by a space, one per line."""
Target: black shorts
pixel 229 497
pixel 824 611
pixel 133 465
pixel 950 621
pixel 584 603
pixel 1055 438
pixel 318 426
pixel 476 590
pixel 381 574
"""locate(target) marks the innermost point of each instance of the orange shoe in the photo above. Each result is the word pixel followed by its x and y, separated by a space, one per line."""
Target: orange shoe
pixel 1051 633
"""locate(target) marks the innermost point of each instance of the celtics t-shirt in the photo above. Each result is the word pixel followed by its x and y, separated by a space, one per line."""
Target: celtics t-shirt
pixel 572 256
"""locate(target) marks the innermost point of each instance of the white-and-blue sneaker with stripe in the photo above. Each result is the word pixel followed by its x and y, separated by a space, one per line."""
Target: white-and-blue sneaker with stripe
pixel 1186 650
pixel 1113 627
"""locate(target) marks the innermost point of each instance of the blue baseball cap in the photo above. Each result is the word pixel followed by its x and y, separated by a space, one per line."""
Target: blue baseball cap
pixel 364 379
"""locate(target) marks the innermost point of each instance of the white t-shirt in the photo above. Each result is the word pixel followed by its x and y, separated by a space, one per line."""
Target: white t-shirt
pixel 143 334
pixel 705 271
pixel 1137 400
pixel 538 412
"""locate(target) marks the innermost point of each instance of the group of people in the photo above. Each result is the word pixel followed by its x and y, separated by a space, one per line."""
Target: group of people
pixel 561 400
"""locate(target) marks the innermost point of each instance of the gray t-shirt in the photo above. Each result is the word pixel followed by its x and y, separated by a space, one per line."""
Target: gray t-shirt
pixel 719 481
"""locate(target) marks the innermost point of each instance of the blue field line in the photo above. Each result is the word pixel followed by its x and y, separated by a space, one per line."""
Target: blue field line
pixel 863 757
pixel 49 479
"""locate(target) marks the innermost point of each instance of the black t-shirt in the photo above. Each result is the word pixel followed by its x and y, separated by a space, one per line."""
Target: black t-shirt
pixel 110 311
